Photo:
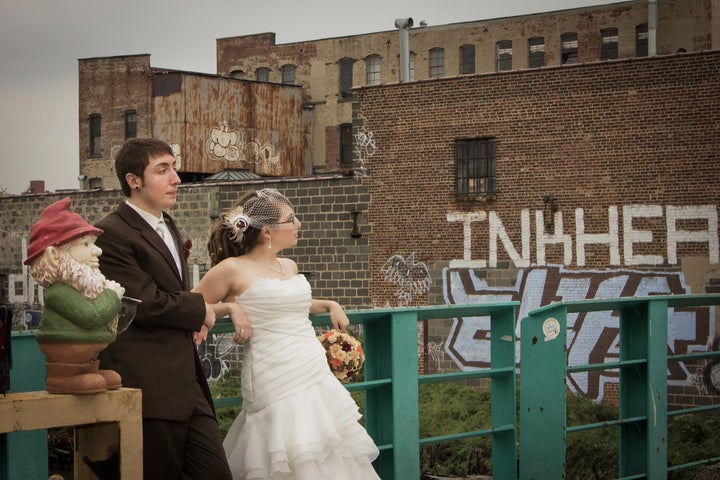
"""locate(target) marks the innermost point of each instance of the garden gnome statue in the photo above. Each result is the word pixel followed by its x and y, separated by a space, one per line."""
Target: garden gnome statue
pixel 80 312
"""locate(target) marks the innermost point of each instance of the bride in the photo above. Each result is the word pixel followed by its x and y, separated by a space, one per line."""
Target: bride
pixel 298 421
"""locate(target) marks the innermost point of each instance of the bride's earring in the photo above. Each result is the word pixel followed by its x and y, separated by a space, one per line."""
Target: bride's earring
pixel 269 242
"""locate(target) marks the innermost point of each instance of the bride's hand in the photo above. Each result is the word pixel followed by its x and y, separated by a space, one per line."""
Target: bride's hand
pixel 241 322
pixel 338 317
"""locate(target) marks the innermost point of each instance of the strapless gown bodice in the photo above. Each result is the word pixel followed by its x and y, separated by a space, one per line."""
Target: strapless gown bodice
pixel 298 421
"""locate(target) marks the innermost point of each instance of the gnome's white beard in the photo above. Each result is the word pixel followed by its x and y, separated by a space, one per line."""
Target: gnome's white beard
pixel 86 279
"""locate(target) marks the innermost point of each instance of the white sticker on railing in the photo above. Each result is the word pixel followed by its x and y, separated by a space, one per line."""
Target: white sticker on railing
pixel 551 329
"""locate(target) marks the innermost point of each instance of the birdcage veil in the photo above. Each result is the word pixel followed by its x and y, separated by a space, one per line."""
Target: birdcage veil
pixel 263 209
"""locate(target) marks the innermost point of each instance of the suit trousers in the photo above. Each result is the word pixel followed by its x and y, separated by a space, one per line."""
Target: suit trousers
pixel 189 450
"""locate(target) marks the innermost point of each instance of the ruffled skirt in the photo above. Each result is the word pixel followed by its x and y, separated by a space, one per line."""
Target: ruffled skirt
pixel 310 435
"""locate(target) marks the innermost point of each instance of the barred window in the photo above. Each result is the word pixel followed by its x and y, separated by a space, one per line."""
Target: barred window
pixel 536 49
pixel 475 166
pixel 609 44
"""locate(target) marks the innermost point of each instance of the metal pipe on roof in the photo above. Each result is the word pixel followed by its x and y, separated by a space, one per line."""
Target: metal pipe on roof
pixel 652 27
pixel 404 24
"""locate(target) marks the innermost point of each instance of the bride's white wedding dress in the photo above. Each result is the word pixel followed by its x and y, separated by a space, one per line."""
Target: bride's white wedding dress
pixel 298 421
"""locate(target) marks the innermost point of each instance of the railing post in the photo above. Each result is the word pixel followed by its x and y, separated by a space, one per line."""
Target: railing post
pixel 25 454
pixel 643 390
pixel 657 388
pixel 406 421
pixel 633 400
pixel 391 411
pixel 502 393
pixel 378 401
pixel 543 340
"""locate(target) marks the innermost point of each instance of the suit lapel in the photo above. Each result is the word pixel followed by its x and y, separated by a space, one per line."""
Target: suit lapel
pixel 152 237
pixel 178 245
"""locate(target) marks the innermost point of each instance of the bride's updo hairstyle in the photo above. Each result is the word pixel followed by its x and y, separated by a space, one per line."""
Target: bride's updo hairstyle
pixel 238 230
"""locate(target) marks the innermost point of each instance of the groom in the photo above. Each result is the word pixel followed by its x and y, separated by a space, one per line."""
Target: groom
pixel 157 353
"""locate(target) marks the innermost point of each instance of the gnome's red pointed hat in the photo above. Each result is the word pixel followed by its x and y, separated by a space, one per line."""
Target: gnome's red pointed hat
pixel 57 225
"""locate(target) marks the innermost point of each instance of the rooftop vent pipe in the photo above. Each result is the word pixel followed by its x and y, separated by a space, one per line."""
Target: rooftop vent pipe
pixel 652 27
pixel 404 24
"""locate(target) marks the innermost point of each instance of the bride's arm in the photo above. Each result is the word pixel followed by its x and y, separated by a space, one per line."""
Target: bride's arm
pixel 337 315
pixel 216 287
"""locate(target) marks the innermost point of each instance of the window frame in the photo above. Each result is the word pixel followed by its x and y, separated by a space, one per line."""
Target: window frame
pixel 372 69
pixel 609 43
pixel 411 60
pixel 536 52
pixel 130 123
pixel 641 40
pixel 475 165
pixel 346 144
pixel 503 55
pixel 262 74
pixel 569 48
pixel 345 77
pixel 95 135
pixel 287 73
pixel 436 62
pixel 467 59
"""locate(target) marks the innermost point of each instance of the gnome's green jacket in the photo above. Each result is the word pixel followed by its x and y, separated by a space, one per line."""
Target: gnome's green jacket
pixel 68 317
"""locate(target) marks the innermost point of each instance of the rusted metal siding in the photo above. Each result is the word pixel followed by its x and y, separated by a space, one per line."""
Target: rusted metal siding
pixel 220 123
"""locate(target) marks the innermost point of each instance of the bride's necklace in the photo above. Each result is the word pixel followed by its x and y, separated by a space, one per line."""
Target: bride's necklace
pixel 280 270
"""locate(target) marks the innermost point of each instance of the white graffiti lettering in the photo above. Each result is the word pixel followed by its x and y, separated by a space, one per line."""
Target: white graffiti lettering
pixel 703 217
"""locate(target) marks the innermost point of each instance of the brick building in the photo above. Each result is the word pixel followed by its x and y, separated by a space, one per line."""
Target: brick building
pixel 213 123
pixel 596 180
pixel 327 69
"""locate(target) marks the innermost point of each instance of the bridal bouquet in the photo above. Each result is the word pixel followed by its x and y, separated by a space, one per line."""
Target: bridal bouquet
pixel 344 353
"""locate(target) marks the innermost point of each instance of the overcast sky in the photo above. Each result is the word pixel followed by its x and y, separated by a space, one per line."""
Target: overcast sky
pixel 42 40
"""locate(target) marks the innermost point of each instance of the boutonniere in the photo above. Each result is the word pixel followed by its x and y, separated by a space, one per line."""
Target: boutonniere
pixel 186 243
pixel 186 248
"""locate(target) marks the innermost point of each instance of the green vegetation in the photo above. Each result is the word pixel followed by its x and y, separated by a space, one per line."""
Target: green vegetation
pixel 230 387
pixel 445 409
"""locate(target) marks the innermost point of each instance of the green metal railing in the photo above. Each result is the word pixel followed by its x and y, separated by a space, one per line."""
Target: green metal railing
pixel 643 382
pixel 25 454
pixel 391 380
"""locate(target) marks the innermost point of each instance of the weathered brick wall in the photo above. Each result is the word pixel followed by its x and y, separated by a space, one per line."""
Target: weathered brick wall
pixel 109 87
pixel 628 151
pixel 335 263
pixel 597 135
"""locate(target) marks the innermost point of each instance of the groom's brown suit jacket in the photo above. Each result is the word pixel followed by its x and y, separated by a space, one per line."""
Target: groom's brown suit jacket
pixel 156 353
